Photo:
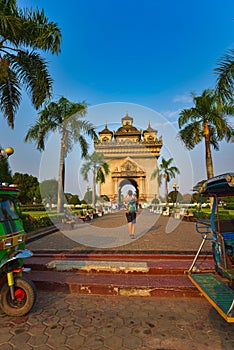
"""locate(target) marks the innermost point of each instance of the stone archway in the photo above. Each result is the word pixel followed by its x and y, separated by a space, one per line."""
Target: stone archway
pixel 132 155
pixel 128 183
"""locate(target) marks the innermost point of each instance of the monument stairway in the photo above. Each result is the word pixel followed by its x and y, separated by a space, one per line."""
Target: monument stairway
pixel 116 274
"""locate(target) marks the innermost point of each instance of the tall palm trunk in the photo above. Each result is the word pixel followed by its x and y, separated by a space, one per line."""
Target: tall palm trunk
pixel 209 162
pixel 166 189
pixel 60 200
pixel 94 188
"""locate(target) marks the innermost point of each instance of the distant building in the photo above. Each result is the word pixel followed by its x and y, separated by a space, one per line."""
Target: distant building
pixel 132 156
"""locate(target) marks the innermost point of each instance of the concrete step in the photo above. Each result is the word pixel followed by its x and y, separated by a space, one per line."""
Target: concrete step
pixel 114 284
pixel 113 274
pixel 157 265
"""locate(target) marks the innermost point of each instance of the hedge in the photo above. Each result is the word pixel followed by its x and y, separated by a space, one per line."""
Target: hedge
pixel 32 207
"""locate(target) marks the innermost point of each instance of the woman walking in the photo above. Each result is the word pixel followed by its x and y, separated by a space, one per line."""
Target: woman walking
pixel 131 209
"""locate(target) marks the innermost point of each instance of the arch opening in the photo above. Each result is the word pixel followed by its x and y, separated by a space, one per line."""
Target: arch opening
pixel 124 186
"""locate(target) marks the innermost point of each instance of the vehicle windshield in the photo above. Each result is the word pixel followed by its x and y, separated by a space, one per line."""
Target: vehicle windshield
pixel 7 210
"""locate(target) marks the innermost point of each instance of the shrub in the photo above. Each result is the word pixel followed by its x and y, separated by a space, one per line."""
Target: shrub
pixel 41 222
pixel 44 221
pixel 201 215
pixel 28 226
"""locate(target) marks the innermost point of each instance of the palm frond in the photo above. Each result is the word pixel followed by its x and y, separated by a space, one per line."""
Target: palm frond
pixel 225 71
pixel 97 164
pixel 10 96
pixel 174 170
pixel 213 138
pixel 188 114
pixel 106 168
pixel 85 170
pixel 38 133
pixel 10 23
pixel 32 71
pixel 154 174
pixel 100 176
pixel 191 135
pixel 222 128
pixel 84 145
pixel 22 31
pixel 39 32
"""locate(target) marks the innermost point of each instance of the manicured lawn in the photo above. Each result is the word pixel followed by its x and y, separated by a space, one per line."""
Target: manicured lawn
pixel 223 213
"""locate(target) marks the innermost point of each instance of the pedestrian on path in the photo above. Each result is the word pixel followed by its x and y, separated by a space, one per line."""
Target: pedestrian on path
pixel 131 209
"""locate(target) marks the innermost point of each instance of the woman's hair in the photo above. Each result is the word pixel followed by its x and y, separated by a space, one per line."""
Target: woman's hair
pixel 130 192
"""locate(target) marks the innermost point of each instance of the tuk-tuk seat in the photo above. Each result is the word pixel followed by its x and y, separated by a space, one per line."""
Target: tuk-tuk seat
pixel 229 240
pixel 225 226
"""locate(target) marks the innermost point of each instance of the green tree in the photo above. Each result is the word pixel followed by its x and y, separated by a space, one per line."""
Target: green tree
pixel 99 167
pixel 49 190
pixel 74 200
pixel 23 32
pixel 195 197
pixel 206 120
pixel 28 186
pixel 37 198
pixel 68 196
pixel 175 196
pixel 167 172
pixel 66 118
pixel 5 172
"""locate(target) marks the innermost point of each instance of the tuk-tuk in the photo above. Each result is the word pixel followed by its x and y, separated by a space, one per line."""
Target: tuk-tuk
pixel 18 293
pixel 217 287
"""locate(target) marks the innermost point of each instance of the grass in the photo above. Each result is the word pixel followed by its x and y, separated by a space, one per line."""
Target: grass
pixel 222 213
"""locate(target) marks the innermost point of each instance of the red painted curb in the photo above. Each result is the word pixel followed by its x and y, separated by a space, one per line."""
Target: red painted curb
pixel 130 285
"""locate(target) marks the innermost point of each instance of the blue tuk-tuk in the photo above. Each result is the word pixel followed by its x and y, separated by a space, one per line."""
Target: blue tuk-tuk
pixel 217 287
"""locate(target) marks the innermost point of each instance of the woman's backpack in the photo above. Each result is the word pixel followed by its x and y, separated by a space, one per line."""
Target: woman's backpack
pixel 132 206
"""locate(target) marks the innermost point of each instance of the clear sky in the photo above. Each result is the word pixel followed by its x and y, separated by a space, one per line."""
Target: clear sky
pixel 145 57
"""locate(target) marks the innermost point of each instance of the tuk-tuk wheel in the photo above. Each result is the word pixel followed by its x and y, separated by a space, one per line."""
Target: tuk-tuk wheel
pixel 25 297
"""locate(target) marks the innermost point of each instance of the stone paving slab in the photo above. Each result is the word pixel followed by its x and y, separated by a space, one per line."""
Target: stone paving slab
pixel 61 321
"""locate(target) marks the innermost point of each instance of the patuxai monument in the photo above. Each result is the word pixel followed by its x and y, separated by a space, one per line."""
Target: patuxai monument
pixel 132 155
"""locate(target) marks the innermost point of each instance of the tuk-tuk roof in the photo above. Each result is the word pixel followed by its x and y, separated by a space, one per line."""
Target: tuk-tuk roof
pixel 221 185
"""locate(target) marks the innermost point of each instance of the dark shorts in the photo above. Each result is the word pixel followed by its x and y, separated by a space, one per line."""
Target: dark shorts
pixel 131 217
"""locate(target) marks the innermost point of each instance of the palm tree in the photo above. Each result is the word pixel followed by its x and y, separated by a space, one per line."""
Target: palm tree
pixel 225 80
pixel 22 33
pixel 99 167
pixel 66 118
pixel 206 120
pixel 166 171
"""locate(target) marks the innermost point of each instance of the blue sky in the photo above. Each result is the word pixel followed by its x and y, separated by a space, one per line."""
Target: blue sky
pixel 148 53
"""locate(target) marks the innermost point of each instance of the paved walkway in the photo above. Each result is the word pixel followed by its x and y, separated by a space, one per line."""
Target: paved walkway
pixel 154 233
